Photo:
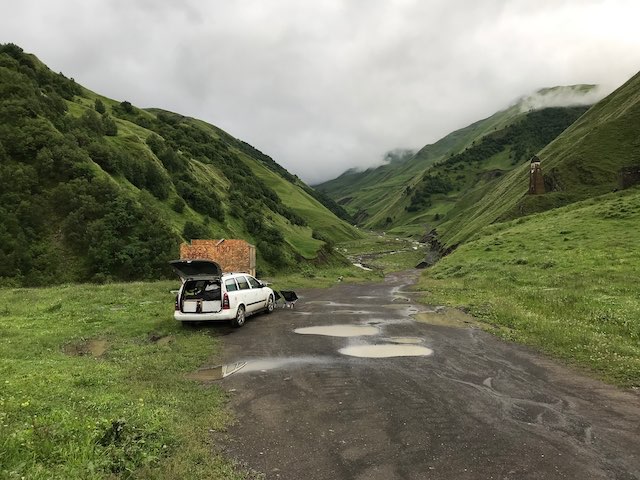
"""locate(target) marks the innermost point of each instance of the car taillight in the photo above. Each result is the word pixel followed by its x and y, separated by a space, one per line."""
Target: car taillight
pixel 177 302
pixel 225 301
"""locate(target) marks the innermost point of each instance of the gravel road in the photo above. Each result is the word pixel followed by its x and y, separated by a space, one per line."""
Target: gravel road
pixel 462 405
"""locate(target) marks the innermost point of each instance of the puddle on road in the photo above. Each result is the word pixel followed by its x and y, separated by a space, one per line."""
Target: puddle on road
pixel 448 317
pixel 396 294
pixel 405 340
pixel 339 330
pixel 256 365
pixel 264 364
pixel 353 312
pixel 329 303
pixel 408 309
pixel 216 373
pixel 400 298
pixel 386 351
pixel 388 321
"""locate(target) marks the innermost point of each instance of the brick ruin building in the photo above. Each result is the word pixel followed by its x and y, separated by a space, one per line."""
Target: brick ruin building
pixel 231 255
pixel 536 180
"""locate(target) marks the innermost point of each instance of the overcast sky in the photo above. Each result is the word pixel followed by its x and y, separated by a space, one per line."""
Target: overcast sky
pixel 322 86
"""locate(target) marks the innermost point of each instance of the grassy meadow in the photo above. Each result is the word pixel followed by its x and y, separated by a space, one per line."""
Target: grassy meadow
pixel 95 377
pixel 564 281
pixel 93 386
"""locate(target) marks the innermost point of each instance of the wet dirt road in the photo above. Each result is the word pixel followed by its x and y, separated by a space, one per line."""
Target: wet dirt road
pixel 465 405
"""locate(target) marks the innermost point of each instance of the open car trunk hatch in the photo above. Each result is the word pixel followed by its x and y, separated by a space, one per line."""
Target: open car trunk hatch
pixel 201 296
pixel 196 269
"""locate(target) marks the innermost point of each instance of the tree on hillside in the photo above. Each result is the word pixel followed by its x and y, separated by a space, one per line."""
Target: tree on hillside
pixel 127 107
pixel 99 106
pixel 92 121
pixel 194 230
pixel 109 125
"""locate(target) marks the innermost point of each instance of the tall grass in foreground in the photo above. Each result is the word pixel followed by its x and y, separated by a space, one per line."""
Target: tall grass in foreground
pixel 566 281
pixel 92 386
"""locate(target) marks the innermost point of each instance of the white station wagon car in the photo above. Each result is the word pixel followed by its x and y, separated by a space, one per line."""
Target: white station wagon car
pixel 208 294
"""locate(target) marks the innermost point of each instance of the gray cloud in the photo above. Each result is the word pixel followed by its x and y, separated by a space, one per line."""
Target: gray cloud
pixel 325 86
pixel 562 97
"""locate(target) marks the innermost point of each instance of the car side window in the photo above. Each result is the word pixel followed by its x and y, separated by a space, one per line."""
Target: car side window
pixel 254 283
pixel 242 283
pixel 230 283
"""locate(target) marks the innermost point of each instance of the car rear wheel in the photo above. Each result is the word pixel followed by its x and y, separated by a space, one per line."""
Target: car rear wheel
pixel 240 317
pixel 270 304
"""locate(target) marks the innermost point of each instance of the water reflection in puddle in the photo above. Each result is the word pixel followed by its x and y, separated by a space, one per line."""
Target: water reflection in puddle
pixel 388 321
pixel 409 310
pixel 330 303
pixel 396 294
pixel 399 298
pixel 386 351
pixel 339 330
pixel 405 340
pixel 353 312
pixel 264 364
pixel 256 365
pixel 216 373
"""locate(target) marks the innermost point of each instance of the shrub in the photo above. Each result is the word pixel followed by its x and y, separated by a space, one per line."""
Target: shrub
pixel 194 230
pixel 99 106
pixel 103 156
pixel 178 205
pixel 127 107
pixel 92 122
pixel 109 125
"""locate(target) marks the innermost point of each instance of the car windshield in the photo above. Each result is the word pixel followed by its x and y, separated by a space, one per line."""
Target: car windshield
pixel 254 283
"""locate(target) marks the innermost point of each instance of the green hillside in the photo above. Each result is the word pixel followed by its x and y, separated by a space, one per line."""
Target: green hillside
pixel 582 162
pixel 377 197
pixel 93 188
pixel 562 280
pixel 458 181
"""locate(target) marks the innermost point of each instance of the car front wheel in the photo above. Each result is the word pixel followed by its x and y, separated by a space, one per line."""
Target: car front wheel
pixel 240 317
pixel 270 304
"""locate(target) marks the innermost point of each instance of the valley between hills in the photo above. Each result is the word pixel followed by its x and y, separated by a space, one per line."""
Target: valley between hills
pixel 97 194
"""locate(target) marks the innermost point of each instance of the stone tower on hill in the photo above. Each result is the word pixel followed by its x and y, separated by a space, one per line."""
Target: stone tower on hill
pixel 536 181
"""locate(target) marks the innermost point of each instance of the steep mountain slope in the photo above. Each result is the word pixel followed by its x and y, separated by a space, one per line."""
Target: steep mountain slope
pixel 377 195
pixel 92 188
pixel 462 178
pixel 583 162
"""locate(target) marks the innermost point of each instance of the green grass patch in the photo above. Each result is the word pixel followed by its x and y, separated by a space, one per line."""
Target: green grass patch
pixel 93 386
pixel 564 281
pixel 317 216
pixel 309 277
pixel 384 253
